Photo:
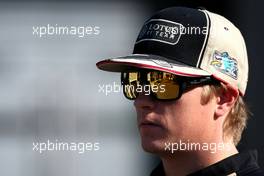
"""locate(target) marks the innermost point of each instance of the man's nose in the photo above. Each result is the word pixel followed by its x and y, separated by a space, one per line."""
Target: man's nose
pixel 144 101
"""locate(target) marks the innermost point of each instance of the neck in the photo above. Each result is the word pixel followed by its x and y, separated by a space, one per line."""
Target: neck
pixel 182 163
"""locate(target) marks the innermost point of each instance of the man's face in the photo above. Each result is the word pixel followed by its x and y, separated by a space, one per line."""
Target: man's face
pixel 186 119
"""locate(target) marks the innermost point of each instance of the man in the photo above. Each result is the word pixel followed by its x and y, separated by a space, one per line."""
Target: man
pixel 187 76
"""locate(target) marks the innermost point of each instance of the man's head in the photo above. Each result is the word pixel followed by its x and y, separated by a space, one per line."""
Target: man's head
pixel 190 110
pixel 195 64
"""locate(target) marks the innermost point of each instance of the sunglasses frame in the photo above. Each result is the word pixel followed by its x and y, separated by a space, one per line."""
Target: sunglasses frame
pixel 184 82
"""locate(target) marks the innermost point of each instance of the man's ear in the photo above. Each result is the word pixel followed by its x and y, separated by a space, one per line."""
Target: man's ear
pixel 225 101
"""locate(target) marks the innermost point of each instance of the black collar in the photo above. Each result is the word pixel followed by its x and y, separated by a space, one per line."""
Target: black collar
pixel 241 164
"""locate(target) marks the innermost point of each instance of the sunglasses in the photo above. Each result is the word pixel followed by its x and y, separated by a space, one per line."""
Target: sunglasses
pixel 160 85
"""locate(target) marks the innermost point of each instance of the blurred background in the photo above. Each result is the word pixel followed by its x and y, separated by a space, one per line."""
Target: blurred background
pixel 49 86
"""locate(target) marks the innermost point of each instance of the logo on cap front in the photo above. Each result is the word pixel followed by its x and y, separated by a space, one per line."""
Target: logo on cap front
pixel 160 30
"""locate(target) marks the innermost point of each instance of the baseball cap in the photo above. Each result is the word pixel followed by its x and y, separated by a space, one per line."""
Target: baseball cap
pixel 188 42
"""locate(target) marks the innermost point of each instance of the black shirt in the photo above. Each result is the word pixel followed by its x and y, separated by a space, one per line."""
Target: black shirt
pixel 241 164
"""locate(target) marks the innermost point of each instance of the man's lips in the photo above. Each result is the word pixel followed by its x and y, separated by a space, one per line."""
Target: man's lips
pixel 150 123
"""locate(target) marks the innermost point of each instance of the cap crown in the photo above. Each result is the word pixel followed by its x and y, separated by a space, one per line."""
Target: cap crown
pixel 197 38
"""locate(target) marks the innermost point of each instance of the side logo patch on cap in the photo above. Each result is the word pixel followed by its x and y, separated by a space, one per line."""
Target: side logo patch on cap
pixel 225 64
pixel 160 30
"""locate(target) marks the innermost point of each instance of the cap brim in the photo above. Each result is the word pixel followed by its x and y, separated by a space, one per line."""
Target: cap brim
pixel 140 61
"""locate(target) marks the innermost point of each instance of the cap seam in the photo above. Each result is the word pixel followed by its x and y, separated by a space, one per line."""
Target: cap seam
pixel 205 40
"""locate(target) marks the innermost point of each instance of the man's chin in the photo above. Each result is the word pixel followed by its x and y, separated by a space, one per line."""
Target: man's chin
pixel 152 146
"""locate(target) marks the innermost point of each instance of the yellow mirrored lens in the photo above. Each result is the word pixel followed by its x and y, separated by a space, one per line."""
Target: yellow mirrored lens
pixel 164 85
pixel 133 76
pixel 168 90
pixel 131 85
